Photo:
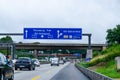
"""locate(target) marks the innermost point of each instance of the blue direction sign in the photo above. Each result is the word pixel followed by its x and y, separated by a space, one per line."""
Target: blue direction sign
pixel 77 54
pixel 52 33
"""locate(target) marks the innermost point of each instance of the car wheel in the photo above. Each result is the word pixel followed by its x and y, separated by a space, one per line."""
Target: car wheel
pixel 15 68
pixel 20 68
pixel 34 68
pixel 30 68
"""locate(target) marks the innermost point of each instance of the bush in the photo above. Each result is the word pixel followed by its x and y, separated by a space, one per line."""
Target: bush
pixel 111 54
pixel 96 53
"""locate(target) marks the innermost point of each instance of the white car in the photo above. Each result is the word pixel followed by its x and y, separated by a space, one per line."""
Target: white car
pixel 61 62
pixel 36 62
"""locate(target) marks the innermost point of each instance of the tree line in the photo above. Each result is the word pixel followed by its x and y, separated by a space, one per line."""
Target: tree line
pixel 6 39
pixel 113 35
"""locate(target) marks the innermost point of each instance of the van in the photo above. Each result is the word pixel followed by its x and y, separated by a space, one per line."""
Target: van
pixel 54 61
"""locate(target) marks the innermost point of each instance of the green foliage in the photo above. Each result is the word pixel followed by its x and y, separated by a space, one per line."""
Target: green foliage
pixel 26 55
pixel 96 53
pixel 110 54
pixel 113 35
pixel 83 64
pixel 6 39
pixel 109 69
pixel 3 51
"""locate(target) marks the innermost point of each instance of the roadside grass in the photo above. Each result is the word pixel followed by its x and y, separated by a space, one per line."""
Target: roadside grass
pixel 110 54
pixel 83 64
pixel 109 69
pixel 107 59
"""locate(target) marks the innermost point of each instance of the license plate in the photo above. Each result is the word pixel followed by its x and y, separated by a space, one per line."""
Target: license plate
pixel 22 66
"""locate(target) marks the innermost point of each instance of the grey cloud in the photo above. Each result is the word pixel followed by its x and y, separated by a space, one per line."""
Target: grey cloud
pixel 93 16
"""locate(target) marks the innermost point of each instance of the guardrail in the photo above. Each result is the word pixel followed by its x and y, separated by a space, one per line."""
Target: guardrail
pixel 92 75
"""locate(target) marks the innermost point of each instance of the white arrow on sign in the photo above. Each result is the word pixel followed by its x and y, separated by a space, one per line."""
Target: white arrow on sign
pixel 26 31
pixel 42 36
pixel 58 34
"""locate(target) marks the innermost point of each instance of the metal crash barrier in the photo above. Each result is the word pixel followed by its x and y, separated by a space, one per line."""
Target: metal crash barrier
pixel 92 75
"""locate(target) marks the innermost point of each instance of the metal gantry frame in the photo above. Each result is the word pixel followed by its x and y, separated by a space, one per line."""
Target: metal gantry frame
pixel 9 47
pixel 21 34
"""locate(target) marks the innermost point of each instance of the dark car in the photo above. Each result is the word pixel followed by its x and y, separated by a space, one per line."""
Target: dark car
pixel 24 62
pixel 6 68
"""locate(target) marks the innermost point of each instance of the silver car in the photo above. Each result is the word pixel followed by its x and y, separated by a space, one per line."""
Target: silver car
pixel 36 62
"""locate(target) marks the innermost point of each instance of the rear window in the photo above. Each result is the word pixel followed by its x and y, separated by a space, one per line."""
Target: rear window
pixel 23 59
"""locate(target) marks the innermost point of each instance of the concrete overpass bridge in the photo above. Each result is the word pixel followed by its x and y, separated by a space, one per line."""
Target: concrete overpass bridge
pixel 51 46
pixel 41 46
pixel 57 46
pixel 44 46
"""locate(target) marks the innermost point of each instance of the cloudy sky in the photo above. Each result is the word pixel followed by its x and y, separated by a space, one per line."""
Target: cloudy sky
pixel 93 16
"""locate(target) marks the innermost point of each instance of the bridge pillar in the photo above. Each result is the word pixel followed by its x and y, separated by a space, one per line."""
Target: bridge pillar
pixel 36 53
pixel 89 50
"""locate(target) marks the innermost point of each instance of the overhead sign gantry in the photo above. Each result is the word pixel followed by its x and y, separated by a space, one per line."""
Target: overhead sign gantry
pixel 53 33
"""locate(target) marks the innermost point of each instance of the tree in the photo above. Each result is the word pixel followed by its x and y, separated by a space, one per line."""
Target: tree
pixel 113 35
pixel 6 39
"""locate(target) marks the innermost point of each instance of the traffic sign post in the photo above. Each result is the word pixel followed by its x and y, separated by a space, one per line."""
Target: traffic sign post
pixel 53 33
pixel 89 55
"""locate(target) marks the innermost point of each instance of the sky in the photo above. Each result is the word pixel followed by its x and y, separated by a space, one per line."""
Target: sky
pixel 93 16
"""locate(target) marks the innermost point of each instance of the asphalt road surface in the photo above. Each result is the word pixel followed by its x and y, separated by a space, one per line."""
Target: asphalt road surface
pixel 70 72
pixel 44 72
pixel 47 72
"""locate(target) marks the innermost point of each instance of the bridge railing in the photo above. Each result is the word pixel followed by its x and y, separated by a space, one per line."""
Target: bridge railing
pixel 92 74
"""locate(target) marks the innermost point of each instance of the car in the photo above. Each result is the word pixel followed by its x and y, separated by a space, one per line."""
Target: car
pixel 6 68
pixel 54 61
pixel 36 62
pixel 61 62
pixel 13 61
pixel 24 62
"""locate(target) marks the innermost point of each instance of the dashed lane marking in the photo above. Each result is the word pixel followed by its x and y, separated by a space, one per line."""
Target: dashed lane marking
pixel 48 72
pixel 35 78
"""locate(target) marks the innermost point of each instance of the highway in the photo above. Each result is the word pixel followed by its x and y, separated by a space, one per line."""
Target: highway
pixel 47 72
